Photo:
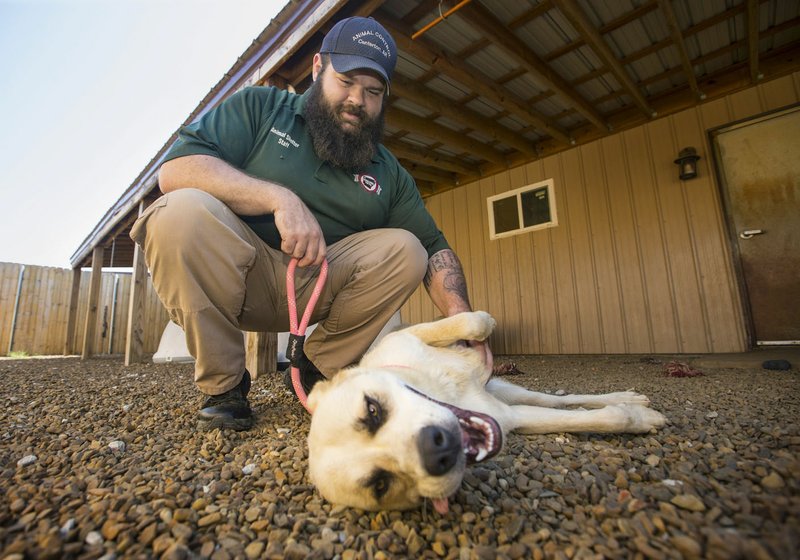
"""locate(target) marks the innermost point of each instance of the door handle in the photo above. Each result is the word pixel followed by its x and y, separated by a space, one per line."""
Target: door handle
pixel 748 233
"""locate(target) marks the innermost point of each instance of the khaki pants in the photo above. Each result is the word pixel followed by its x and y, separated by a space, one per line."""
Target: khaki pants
pixel 216 278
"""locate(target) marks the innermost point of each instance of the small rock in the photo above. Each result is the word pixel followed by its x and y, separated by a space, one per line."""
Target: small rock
pixel 773 481
pixel 687 546
pixel 27 460
pixel 653 460
pixel 94 538
pixel 68 526
pixel 117 446
pixel 210 519
pixel 254 549
pixel 689 502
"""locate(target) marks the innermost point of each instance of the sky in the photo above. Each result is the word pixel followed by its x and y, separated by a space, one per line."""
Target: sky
pixel 90 90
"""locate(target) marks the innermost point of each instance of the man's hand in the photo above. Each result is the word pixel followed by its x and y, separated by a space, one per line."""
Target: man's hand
pixel 301 236
pixel 249 196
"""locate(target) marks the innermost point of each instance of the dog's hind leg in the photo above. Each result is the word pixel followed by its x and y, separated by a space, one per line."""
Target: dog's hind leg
pixel 609 419
pixel 510 393
pixel 473 325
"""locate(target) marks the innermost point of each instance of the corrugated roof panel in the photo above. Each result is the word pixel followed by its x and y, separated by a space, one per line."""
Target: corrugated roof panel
pixel 483 107
pixel 524 87
pixel 449 123
pixel 570 120
pixel 550 107
pixel 397 8
pixel 546 33
pixel 410 66
pixel 654 64
pixel 510 123
pixel 574 65
pixel 448 87
pixel 493 61
pixel 507 10
pixel 594 89
pixel 478 135
pixel 601 12
pixel 613 104
pixel 411 107
pixel 770 16
pixel 453 35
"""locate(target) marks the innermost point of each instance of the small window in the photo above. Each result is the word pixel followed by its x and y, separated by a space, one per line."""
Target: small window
pixel 525 209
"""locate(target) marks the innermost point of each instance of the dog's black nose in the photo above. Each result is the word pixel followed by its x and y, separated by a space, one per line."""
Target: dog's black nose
pixel 439 449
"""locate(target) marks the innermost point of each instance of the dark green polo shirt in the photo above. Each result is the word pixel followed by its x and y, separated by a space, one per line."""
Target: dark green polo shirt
pixel 262 131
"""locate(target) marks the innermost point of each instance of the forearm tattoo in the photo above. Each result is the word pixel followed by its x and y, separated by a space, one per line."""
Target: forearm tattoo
pixel 446 263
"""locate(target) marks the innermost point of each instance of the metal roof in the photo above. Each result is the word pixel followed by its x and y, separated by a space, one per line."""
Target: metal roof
pixel 499 83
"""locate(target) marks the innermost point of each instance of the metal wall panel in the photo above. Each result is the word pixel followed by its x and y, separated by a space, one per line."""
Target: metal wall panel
pixel 639 262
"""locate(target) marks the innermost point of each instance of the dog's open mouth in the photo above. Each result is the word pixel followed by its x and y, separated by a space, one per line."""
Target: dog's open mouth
pixel 481 438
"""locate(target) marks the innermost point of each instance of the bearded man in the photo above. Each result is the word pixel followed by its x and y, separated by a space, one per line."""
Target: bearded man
pixel 268 176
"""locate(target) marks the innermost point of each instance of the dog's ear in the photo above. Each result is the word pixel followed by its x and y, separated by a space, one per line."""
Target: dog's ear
pixel 313 398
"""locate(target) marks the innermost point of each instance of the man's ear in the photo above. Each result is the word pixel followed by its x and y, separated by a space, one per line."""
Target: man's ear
pixel 316 66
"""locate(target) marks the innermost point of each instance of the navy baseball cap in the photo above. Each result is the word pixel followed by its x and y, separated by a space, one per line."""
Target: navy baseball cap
pixel 358 43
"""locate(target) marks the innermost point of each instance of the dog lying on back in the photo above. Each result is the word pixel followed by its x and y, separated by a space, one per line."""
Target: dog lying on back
pixel 403 424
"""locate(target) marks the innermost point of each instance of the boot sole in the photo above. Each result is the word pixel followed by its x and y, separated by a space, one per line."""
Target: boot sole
pixel 238 424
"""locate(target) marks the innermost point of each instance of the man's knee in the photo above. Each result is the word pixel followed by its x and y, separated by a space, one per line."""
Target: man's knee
pixel 184 215
pixel 405 246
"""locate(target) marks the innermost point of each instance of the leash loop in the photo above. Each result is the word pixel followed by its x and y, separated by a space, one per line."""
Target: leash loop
pixel 297 333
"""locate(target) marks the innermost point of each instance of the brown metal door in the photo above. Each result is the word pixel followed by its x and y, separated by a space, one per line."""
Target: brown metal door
pixel 760 170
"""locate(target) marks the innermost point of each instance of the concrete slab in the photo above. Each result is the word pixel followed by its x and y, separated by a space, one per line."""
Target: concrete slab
pixel 748 360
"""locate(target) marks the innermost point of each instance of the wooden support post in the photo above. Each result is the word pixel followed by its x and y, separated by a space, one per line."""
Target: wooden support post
pixel 262 353
pixel 94 297
pixel 72 318
pixel 134 342
pixel 134 338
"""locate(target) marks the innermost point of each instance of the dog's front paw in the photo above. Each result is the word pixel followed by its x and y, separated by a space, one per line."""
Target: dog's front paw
pixel 642 419
pixel 479 325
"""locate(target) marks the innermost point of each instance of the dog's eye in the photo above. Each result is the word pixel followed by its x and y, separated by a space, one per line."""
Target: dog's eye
pixel 379 482
pixel 374 414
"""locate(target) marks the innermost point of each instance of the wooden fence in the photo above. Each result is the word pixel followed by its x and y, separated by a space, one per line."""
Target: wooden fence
pixel 34 309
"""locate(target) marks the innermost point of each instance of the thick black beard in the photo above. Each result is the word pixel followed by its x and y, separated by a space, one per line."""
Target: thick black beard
pixel 348 150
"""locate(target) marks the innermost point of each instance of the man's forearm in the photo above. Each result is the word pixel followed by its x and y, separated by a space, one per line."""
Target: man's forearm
pixel 242 193
pixel 446 283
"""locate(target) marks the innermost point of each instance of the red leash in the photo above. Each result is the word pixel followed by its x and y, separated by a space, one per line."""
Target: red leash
pixel 297 333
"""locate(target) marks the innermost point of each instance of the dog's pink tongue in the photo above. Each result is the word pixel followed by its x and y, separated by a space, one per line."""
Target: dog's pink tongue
pixel 441 505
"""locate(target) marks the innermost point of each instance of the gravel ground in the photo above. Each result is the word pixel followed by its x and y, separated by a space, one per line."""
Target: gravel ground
pixel 99 460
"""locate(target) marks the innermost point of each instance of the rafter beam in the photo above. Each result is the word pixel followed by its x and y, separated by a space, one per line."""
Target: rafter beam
pixel 397 118
pixel 481 18
pixel 752 40
pixel 437 103
pixel 621 21
pixel 433 56
pixel 428 157
pixel 677 40
pixel 581 23
pixel 421 10
pixel 431 174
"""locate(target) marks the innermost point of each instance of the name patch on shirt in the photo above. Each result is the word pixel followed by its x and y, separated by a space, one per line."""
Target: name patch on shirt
pixel 284 138
pixel 368 182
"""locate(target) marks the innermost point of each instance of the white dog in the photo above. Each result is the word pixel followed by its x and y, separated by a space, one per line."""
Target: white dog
pixel 403 424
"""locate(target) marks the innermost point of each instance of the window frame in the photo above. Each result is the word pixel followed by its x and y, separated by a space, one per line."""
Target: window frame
pixel 517 193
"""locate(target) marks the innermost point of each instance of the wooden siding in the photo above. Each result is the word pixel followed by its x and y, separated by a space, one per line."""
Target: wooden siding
pixel 41 323
pixel 639 262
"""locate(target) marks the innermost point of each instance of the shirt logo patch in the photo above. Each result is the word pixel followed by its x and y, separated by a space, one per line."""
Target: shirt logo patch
pixel 368 182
